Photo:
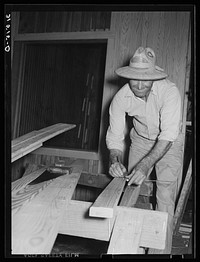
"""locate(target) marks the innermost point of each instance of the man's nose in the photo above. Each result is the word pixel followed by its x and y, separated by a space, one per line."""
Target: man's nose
pixel 140 85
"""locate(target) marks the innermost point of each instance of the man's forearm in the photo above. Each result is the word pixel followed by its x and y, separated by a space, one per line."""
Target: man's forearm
pixel 158 151
pixel 115 155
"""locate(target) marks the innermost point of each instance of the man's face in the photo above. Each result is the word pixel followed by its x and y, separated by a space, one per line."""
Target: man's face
pixel 140 88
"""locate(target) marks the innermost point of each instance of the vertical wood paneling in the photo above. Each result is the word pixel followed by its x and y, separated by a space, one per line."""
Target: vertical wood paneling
pixel 54 21
pixel 58 21
pixel 27 22
pixel 41 22
pixel 165 32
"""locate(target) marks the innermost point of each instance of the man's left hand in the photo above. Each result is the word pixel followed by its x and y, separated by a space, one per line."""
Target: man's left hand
pixel 138 174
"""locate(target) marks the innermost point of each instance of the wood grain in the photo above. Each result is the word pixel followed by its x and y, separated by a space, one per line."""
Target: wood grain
pixel 77 222
pixel 35 225
pixel 130 196
pixel 185 191
pixel 135 228
pixel 107 201
pixel 22 182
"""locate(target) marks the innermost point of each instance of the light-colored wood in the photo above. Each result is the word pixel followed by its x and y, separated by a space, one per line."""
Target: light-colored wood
pixel 183 196
pixel 126 234
pixel 35 225
pixel 29 144
pixel 33 134
pixel 188 123
pixel 23 196
pixel 130 196
pixel 64 36
pixel 22 182
pixel 24 151
pixel 129 199
pixel 23 138
pixel 67 153
pixel 77 222
pixel 105 204
pixel 135 228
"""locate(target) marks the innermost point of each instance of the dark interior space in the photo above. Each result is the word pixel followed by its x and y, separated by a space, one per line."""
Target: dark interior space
pixel 63 83
pixel 77 245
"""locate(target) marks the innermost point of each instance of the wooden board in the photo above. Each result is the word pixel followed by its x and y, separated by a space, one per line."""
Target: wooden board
pixel 77 222
pixel 33 134
pixel 183 198
pixel 130 196
pixel 22 182
pixel 107 201
pixel 135 228
pixel 35 224
pixel 26 144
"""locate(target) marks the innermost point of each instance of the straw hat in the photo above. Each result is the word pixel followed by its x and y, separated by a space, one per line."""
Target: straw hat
pixel 142 66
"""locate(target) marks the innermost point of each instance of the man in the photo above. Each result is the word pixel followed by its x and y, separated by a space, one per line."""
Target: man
pixel 155 105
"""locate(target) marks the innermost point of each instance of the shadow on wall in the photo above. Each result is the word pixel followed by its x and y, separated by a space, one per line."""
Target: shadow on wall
pixel 114 83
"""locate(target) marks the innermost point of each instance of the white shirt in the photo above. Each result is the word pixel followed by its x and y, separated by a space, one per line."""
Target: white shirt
pixel 157 118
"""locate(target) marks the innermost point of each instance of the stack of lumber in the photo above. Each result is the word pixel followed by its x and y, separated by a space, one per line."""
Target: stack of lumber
pixel 43 210
pixel 134 227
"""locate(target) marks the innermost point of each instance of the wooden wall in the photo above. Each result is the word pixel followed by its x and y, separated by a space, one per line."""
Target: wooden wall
pixel 41 22
pixel 165 32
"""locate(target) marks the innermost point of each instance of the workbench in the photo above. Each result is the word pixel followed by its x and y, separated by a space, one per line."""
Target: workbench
pixel 42 211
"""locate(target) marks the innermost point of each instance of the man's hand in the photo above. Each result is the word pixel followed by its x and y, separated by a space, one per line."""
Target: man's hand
pixel 117 170
pixel 138 174
pixel 136 177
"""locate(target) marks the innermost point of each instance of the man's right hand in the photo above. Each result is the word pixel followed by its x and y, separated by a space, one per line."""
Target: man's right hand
pixel 117 170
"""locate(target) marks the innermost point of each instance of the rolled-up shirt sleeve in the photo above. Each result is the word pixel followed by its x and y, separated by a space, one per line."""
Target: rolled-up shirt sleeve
pixel 115 132
pixel 170 115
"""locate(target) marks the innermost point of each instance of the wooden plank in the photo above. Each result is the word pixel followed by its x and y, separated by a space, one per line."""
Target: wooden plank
pixel 29 145
pixel 183 198
pixel 130 199
pixel 23 138
pixel 107 201
pixel 130 196
pixel 33 134
pixel 35 226
pixel 135 228
pixel 22 182
pixel 28 149
pixel 77 222
pixel 82 154
pixel 23 196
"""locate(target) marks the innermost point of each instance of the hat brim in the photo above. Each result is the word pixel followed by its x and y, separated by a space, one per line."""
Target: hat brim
pixel 140 74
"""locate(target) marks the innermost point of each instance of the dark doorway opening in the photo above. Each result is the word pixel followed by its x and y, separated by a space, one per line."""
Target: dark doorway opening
pixel 63 83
